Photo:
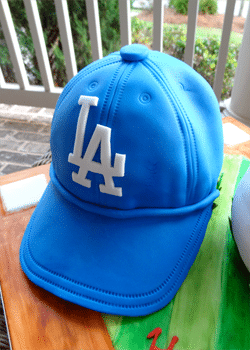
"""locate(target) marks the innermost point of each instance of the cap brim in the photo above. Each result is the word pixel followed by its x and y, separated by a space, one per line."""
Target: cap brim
pixel 129 266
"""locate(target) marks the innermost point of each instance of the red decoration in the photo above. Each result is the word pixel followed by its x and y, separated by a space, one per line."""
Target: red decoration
pixel 155 334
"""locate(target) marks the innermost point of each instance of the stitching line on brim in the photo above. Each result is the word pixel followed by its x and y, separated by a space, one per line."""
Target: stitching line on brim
pixel 118 294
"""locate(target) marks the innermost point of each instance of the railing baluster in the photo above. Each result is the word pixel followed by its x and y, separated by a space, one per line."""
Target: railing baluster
pixel 66 37
pixel 191 30
pixel 158 25
pixel 2 80
pixel 39 43
pixel 125 22
pixel 223 51
pixel 94 29
pixel 238 105
pixel 46 95
pixel 13 45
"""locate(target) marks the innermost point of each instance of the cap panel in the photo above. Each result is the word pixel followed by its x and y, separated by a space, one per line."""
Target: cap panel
pixel 205 116
pixel 145 128
pixel 85 71
pixel 63 132
pixel 201 110
pixel 184 124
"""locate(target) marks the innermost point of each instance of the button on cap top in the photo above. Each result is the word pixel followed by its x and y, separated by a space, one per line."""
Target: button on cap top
pixel 135 52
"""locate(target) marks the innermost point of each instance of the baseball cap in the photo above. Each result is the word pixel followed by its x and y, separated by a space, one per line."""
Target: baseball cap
pixel 137 148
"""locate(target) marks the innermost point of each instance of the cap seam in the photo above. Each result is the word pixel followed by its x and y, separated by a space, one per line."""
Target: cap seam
pixel 194 160
pixel 165 88
pixel 87 72
pixel 135 296
pixel 108 105
pixel 190 132
pixel 105 106
pixel 131 68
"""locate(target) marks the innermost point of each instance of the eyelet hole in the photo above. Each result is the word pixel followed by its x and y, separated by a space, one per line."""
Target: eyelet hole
pixel 145 97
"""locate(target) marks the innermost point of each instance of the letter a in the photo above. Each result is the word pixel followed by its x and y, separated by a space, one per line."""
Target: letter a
pixel 101 136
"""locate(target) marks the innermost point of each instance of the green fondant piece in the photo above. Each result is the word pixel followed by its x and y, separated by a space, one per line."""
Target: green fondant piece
pixel 131 332
pixel 233 330
pixel 197 303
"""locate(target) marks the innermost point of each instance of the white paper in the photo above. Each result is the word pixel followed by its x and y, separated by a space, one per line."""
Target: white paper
pixel 23 194
pixel 233 135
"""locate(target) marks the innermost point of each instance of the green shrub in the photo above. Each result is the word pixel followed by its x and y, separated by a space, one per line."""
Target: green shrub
pixel 142 31
pixel 205 54
pixel 174 42
pixel 205 6
pixel 205 62
pixel 181 6
pixel 110 33
pixel 208 6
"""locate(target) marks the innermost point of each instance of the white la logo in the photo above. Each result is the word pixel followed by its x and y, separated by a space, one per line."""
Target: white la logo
pixel 101 136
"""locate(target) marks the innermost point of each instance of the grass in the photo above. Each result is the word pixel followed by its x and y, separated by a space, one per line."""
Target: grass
pixel 202 33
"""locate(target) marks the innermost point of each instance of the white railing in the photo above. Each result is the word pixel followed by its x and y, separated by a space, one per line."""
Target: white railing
pixel 46 96
pixel 239 104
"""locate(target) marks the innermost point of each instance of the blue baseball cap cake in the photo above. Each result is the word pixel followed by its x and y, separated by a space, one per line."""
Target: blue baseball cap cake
pixel 137 148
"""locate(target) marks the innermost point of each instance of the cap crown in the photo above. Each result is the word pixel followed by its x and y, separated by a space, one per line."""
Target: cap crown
pixel 137 130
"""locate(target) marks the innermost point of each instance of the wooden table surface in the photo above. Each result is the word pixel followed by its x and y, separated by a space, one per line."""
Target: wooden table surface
pixel 36 318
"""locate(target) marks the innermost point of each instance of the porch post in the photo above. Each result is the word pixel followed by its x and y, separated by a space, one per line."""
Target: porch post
pixel 239 104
